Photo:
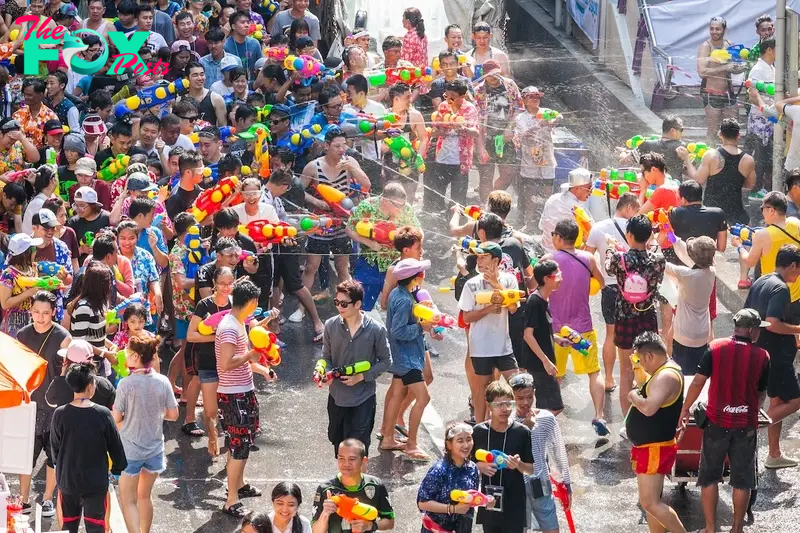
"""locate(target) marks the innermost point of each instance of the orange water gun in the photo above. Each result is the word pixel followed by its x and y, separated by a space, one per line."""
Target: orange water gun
pixel 351 509
pixel 661 217
pixel 339 202
pixel 210 200
pixel 473 211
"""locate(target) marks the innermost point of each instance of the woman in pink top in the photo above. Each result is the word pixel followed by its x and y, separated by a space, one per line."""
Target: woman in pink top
pixel 415 43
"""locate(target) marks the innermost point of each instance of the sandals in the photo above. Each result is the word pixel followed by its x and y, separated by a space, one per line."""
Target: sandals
pixel 400 447
pixel 401 429
pixel 397 436
pixel 418 456
pixel 237 510
pixel 744 284
pixel 247 491
pixel 192 429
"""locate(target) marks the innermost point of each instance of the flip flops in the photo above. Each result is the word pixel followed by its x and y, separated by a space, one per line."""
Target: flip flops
pixel 418 456
pixel 237 510
pixel 192 429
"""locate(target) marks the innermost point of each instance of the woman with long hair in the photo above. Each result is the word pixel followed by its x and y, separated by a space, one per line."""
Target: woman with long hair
pixel 144 400
pixel 286 500
pixel 455 471
pixel 300 28
pixel 15 298
pixel 63 233
pixel 145 274
pixel 415 43
pixel 86 315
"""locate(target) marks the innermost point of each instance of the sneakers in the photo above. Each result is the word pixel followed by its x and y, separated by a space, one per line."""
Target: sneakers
pixel 623 433
pixel 298 315
pixel 775 463
pixel 26 508
pixel 600 427
pixel 48 509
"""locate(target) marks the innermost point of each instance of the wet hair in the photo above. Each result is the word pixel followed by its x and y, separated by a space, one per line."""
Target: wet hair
pixel 729 128
pixel 189 159
pixel 79 376
pixel 544 269
pixel 244 292
pixel 135 310
pixel 46 297
pixel 627 199
pixel 448 453
pixel 653 160
pixel 243 112
pixel 358 82
pixel 282 176
pixel 568 230
pixel 141 206
pixel 414 16
pixel 691 191
pixel 788 255
pixel 671 122
pixel 499 203
pixel 127 225
pixel 458 86
pixel 777 201
pixel 792 178
pixel 398 89
pixel 229 164
pixel 767 44
pixel 223 243
pixel 390 43
pixel 492 225
pixel 352 288
pixel 641 228
pixel 145 348
pixel 498 389
pixel 333 134
pixel 650 342
pixel 450 27
pixel 226 219
pixel 406 237
pixel 223 271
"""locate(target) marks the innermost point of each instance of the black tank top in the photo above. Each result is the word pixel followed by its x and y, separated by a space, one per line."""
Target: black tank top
pixel 661 426
pixel 724 190
pixel 207 111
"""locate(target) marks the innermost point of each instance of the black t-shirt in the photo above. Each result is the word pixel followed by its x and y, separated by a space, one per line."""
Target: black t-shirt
pixel 698 220
pixel 515 441
pixel 519 259
pixel 181 201
pixel 667 148
pixel 537 316
pixel 65 174
pixel 769 295
pixel 202 353
pixel 81 226
pixel 59 393
pixel 372 492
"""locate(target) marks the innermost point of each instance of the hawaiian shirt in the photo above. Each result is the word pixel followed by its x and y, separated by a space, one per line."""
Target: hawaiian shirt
pixel 498 107
pixel 440 479
pixel 63 258
pixel 534 138
pixel 369 209
pixel 144 273
pixel 466 143
pixel 15 318
pixel 649 265
pixel 33 127
pixel 183 303
pixel 415 49
pixel 14 159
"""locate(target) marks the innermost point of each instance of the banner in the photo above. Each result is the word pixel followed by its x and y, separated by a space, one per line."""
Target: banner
pixel 586 14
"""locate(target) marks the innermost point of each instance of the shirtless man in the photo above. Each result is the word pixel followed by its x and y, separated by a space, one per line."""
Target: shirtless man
pixel 482 35
pixel 716 86
pixel 410 122
pixel 211 105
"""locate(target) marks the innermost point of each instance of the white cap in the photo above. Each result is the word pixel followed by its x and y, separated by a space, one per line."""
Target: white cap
pixel 86 194
pixel 78 351
pixel 579 176
pixel 21 243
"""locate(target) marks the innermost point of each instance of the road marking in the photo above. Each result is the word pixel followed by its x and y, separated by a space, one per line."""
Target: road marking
pixel 117 521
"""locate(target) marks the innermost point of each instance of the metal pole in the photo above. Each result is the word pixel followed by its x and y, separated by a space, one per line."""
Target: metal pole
pixel 792 23
pixel 558 16
pixel 780 67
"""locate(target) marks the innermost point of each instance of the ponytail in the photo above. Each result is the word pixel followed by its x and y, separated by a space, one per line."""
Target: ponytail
pixel 414 16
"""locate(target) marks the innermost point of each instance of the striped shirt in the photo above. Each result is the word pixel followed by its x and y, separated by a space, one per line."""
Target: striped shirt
pixel 340 183
pixel 547 446
pixel 90 325
pixel 240 379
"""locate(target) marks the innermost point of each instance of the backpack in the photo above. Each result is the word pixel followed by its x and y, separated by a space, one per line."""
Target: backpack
pixel 634 290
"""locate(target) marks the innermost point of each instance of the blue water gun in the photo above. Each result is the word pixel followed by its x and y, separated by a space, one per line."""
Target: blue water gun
pixel 197 256
pixel 151 97
pixel 496 457
pixel 114 316
pixel 48 268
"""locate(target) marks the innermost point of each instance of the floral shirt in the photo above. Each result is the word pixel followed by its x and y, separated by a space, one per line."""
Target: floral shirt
pixel 181 300
pixel 13 159
pixel 415 49
pixel 144 273
pixel 498 105
pixel 534 138
pixel 15 318
pixel 443 477
pixel 117 188
pixel 466 144
pixel 63 258
pixel 369 209
pixel 33 127
pixel 649 265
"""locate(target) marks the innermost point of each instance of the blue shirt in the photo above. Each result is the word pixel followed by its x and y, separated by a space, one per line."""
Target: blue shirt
pixel 249 51
pixel 144 243
pixel 213 73
pixel 443 477
pixel 405 333
pixel 144 273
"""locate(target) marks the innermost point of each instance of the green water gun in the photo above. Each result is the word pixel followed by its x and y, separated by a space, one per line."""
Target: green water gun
pixel 499 145
pixel 121 366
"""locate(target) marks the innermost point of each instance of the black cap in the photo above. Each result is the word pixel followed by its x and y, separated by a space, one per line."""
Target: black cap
pixel 9 124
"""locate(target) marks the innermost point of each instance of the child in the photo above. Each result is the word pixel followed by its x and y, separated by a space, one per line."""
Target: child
pixel 133 321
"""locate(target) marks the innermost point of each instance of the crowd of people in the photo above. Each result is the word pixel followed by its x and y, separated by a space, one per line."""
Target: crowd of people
pixel 178 231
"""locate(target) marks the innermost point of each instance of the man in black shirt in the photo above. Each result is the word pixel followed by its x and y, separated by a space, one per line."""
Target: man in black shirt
pixel 90 218
pixel 227 251
pixel 539 357
pixel 121 136
pixel 59 392
pixel 770 296
pixel 190 166
pixel 693 219
pixel 226 224
pixel 352 483
pixel 667 145
pixel 507 486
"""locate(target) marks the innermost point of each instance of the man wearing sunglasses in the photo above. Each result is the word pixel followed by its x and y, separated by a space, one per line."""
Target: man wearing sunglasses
pixel 667 145
pixel 559 206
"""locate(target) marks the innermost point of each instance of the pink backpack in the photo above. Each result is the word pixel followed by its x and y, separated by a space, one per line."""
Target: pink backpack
pixel 634 290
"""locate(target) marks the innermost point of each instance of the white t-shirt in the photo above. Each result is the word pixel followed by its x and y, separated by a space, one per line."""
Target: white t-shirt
pixel 598 238
pixel 557 207
pixel 306 524
pixel 762 71
pixel 692 325
pixel 265 212
pixel 156 41
pixel 183 141
pixel 793 156
pixel 366 145
pixel 220 88
pixel 488 337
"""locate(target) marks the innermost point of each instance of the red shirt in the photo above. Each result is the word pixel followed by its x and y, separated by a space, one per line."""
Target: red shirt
pixel 665 197
pixel 739 371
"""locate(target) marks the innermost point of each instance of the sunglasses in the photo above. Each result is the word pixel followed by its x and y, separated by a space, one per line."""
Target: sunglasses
pixel 190 119
pixel 341 303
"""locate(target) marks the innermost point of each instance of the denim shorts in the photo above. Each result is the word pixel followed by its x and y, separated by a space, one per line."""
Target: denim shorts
pixel 543 508
pixel 153 465
pixel 208 376
pixel 181 328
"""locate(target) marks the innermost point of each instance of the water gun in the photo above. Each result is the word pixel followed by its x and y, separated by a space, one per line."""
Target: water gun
pixel 210 200
pixel 463 59
pixel 307 66
pixel 367 124
pixel 547 114
pixel 430 314
pixel 276 53
pixel 661 217
pixel 444 117
pixel 18 175
pixel 151 97
pixel 402 149
pixel 48 268
pixel 636 140
pixel 262 113
pixel 408 75
pixel 584 223
pixel 473 211
pixel 244 255
pixel 380 231
pixel 309 225
pixel 770 112
pixel 496 457
pixel 271 7
pixel 48 283
pixel 64 187
pixel 561 493
pixel 451 287
pixel 762 87
pixel 614 174
pixel 499 145
pixel 472 497
pixel 351 509
pixel 614 189
pixel 264 232
pixel 197 256
pixel 504 297
pixel 321 375
pixel 302 140
pixel 265 343
pixel 114 316
pixel 467 243
pixel 578 342
pixel 113 167
pixel 121 366
pixel 339 202
pixel 430 525
pixel 745 233
pixel 736 53
pixel 256 31
pixel 697 149
pixel 87 239
pixel 210 323
pixel 639 373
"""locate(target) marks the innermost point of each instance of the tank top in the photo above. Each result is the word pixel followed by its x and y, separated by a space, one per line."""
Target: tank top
pixel 777 239
pixel 661 426
pixel 570 307
pixel 207 111
pixel 724 189
pixel 341 183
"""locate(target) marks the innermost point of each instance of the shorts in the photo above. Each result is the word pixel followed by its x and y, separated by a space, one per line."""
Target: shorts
pixel 287 268
pixel 208 376
pixel 410 377
pixel 608 303
pixel 581 364
pixel 152 465
pixel 547 391
pixel 42 442
pixel 336 246
pixel 739 446
pixel 717 101
pixel 239 414
pixel 627 329
pixel 654 458
pixel 189 360
pixel 544 175
pixel 509 154
pixel 688 358
pixel 784 383
pixel 542 508
pixel 181 328
pixel 484 366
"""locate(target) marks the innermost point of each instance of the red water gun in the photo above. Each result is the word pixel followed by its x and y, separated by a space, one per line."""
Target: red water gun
pixel 561 493
pixel 265 343
pixel 430 525
pixel 380 231
pixel 661 217
pixel 210 200
pixel 339 202
pixel 473 211
pixel 264 232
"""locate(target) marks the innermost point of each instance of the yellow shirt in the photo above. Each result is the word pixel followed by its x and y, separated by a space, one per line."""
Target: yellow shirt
pixel 777 239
